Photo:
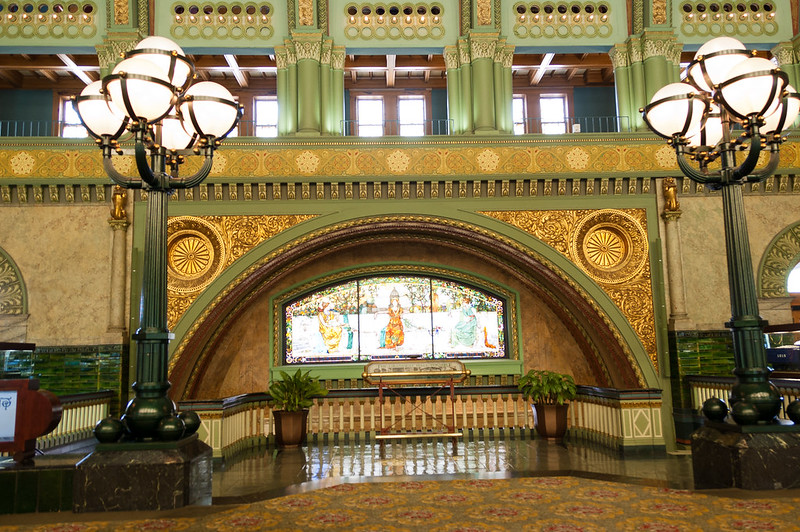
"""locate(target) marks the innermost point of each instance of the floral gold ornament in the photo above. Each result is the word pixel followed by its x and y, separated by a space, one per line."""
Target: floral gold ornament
pixel 195 254
pixel 610 246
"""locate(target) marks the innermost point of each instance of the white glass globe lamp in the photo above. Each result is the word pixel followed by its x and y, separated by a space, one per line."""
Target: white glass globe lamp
pixel 675 109
pixel 713 61
pixel 784 115
pixel 173 134
pixel 140 88
pixel 709 132
pixel 97 116
pixel 753 88
pixel 209 109
pixel 167 55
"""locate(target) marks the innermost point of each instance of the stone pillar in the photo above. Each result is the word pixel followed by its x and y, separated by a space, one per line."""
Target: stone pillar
pixel 678 318
pixel 479 84
pixel 119 264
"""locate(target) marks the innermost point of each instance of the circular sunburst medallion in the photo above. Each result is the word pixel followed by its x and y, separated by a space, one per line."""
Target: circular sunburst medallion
pixel 610 245
pixel 195 254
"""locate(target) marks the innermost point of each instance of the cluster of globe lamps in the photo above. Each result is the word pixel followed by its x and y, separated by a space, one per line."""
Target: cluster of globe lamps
pixel 150 107
pixel 732 101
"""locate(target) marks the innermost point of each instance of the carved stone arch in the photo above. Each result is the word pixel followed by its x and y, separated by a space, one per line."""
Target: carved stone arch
pixel 205 347
pixel 780 257
pixel 13 301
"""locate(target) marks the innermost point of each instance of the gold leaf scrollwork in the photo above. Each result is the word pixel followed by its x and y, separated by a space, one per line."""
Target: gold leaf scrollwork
pixel 199 249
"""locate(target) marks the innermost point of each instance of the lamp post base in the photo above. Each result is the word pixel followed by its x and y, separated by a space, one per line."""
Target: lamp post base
pixel 144 476
pixel 755 457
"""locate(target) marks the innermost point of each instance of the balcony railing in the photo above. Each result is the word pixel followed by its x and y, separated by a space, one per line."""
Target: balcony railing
pixel 577 124
pixel 248 128
pixel 351 128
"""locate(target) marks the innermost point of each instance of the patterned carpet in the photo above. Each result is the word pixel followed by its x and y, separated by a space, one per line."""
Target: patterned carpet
pixel 537 503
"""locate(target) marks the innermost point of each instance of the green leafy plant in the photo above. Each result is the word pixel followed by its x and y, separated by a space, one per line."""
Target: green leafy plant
pixel 547 387
pixel 296 392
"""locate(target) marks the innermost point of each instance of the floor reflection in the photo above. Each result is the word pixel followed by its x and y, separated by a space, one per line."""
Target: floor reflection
pixel 265 472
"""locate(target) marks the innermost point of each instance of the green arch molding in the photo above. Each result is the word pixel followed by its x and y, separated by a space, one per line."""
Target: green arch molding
pixel 13 295
pixel 781 255
pixel 560 266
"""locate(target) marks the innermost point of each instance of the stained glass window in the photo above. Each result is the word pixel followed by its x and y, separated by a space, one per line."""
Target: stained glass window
pixel 394 317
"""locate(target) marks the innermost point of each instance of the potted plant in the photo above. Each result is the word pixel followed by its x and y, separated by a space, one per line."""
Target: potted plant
pixel 548 392
pixel 292 396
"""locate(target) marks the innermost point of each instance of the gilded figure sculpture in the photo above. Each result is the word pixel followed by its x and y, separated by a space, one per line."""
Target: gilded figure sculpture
pixel 671 195
pixel 118 200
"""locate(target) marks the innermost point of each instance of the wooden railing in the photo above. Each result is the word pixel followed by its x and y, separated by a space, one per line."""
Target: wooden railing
pixel 617 418
pixel 80 414
pixel 704 388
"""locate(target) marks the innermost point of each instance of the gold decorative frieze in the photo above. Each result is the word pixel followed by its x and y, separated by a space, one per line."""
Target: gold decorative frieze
pixel 611 247
pixel 200 248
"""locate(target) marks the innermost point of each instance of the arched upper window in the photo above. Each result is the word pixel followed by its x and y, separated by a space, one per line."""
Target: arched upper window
pixel 394 317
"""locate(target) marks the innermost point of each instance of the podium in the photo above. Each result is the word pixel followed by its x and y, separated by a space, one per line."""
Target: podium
pixel 26 412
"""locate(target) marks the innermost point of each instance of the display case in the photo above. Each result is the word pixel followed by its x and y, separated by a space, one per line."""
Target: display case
pixel 783 346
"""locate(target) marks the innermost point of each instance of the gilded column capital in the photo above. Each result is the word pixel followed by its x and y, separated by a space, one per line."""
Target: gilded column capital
pixel 281 57
pixel 464 52
pixel 508 55
pixel 111 51
pixel 325 54
pixel 483 45
pixel 118 225
pixel 619 56
pixel 308 50
pixel 338 54
pixel 671 216
pixel 658 44
pixel 451 57
pixel 784 53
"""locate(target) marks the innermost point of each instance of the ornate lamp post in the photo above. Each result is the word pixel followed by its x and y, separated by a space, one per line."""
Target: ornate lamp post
pixel 151 94
pixel 725 86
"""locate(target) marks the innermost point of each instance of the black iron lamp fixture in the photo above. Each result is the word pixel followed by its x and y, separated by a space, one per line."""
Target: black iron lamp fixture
pixel 726 87
pixel 151 93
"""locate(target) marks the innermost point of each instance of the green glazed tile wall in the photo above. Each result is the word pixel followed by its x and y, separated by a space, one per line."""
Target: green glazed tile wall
pixel 708 353
pixel 67 370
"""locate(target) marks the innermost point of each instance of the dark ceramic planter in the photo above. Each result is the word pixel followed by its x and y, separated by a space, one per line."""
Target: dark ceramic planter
pixel 551 421
pixel 290 428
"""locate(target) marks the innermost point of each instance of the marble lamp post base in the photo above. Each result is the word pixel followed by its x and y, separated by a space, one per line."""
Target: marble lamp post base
pixel 752 458
pixel 144 476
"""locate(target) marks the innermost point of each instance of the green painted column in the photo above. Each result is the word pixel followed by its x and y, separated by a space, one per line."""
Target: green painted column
pixel 656 74
pixel 308 85
pixel 466 86
pixel 789 61
pixel 284 99
pixel 620 60
pixel 482 48
pixel 325 101
pixel 337 89
pixel 499 94
pixel 508 89
pixel 291 74
pixel 638 94
pixel 454 98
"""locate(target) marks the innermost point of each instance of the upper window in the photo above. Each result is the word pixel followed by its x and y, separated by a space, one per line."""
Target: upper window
pixel 553 109
pixel 394 317
pixel 369 115
pixel 518 113
pixel 71 126
pixel 266 116
pixel 411 115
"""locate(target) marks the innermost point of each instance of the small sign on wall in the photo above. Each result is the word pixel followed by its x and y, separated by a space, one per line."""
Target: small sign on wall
pixel 8 415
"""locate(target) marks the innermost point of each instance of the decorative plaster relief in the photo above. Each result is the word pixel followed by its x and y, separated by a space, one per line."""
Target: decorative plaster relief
pixel 611 246
pixel 199 249
pixel 779 259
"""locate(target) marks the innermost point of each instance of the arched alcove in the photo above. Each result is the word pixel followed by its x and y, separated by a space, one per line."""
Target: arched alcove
pixel 226 344
pixel 781 255
pixel 13 301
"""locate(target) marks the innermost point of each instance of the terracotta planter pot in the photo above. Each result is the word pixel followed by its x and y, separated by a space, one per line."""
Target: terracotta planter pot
pixel 290 428
pixel 550 420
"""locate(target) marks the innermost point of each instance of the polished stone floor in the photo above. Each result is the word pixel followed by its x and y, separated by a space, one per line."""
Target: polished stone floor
pixel 262 473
